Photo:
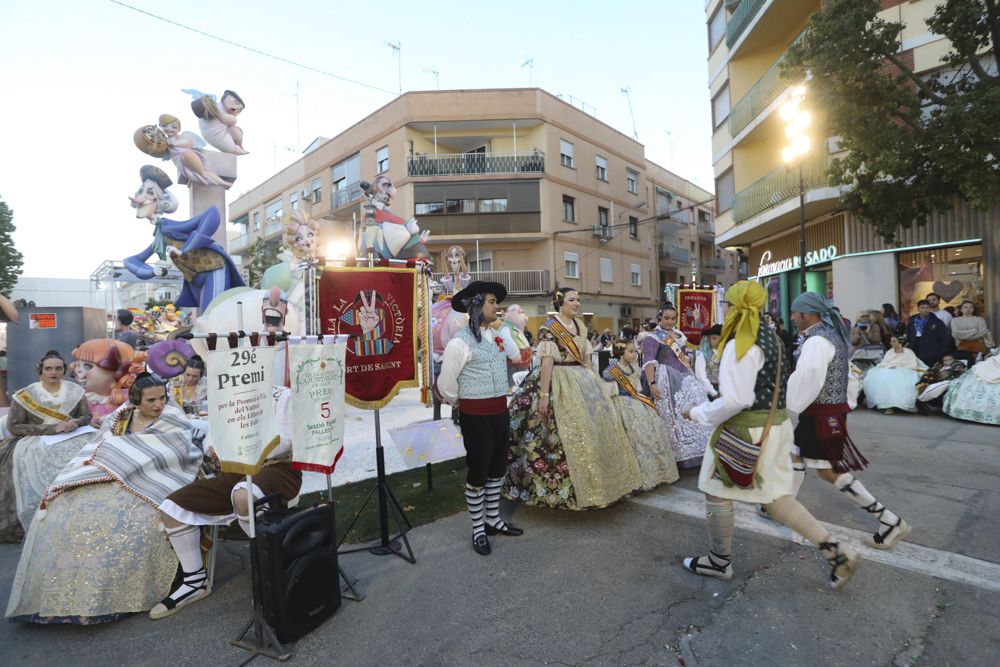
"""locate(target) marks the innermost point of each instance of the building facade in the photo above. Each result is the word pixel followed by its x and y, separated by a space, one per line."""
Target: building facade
pixel 957 254
pixel 538 193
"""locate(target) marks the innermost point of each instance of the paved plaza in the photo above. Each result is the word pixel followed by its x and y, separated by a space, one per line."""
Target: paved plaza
pixel 605 587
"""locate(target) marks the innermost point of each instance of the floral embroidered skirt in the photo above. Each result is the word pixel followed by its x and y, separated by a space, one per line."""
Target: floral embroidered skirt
pixel 973 400
pixel 680 392
pixel 649 441
pixel 578 456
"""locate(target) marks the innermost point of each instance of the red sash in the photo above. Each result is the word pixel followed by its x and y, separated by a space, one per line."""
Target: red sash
pixel 619 375
pixel 565 338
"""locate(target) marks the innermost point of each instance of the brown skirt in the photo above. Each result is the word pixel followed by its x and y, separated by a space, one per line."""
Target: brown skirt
pixel 212 496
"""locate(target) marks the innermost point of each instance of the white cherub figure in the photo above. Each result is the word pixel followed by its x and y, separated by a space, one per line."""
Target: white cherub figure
pixel 217 119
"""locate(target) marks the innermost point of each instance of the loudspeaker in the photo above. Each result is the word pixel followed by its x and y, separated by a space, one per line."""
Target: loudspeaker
pixel 299 576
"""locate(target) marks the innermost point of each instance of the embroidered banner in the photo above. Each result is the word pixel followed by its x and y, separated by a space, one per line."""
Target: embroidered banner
pixel 317 376
pixel 377 308
pixel 241 407
pixel 695 311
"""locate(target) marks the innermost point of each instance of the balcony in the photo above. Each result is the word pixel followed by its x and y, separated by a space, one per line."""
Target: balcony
pixel 778 186
pixel 345 195
pixel 239 243
pixel 602 232
pixel 740 19
pixel 761 94
pixel 529 282
pixel 675 254
pixel 706 230
pixel 713 264
pixel 465 164
pixel 273 226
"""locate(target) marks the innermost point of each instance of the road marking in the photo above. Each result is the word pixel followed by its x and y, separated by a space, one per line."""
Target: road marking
pixel 905 556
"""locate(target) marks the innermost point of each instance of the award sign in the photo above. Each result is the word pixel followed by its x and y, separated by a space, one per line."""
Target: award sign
pixel 241 407
pixel 317 374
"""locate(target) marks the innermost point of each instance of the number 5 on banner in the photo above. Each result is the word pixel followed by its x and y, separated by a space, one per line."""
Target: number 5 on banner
pixel 324 409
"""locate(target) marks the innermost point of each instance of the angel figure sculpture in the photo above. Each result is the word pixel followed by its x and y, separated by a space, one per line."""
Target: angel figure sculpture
pixel 217 119
pixel 184 150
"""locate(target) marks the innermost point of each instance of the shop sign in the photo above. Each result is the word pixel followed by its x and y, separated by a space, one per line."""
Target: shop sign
pixel 42 321
pixel 767 267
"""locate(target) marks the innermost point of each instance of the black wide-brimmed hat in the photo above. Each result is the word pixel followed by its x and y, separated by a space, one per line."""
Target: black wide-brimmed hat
pixel 477 287
pixel 714 330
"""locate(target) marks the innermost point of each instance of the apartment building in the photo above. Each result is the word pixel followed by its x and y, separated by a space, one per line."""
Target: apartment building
pixel 537 192
pixel 757 197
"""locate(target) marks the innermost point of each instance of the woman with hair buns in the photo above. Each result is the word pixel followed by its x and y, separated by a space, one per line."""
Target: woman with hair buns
pixel 51 406
pixel 569 449
pixel 640 419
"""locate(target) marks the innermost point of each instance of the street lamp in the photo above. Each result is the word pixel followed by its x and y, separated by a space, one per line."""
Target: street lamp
pixel 797 120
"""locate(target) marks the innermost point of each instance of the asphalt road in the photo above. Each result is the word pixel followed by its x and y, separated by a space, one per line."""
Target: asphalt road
pixel 605 587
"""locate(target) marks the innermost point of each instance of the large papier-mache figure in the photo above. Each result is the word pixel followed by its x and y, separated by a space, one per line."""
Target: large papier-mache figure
pixel 296 259
pixel 217 119
pixel 207 269
pixel 383 232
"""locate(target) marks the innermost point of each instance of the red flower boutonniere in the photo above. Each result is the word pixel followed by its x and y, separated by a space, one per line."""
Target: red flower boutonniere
pixel 499 343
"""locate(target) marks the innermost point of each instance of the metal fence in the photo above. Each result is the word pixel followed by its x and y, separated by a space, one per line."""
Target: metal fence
pixel 778 186
pixel 459 164
pixel 517 282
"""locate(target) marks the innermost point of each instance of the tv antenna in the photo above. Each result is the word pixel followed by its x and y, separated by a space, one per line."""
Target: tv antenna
pixel 397 48
pixel 529 62
pixel 627 92
pixel 433 71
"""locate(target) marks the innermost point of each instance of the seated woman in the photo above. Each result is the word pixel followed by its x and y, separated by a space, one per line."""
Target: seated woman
pixel 95 549
pixel 893 383
pixel 675 388
pixel 570 452
pixel 975 396
pixel 934 383
pixel 28 464
pixel 642 422
pixel 193 392
pixel 866 341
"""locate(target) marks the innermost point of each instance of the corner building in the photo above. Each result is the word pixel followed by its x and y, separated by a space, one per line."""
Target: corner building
pixel 957 254
pixel 537 192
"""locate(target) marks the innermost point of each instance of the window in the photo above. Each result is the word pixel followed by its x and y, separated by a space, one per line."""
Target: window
pixel 382 160
pixel 607 270
pixel 636 272
pixel 632 180
pixel 430 208
pixel 481 262
pixel 572 260
pixel 317 190
pixel 565 153
pixel 493 205
pixel 716 28
pixel 273 212
pixel 704 216
pixel 720 107
pixel 633 227
pixel 256 221
pixel 663 199
pixel 602 216
pixel 602 168
pixel 724 192
pixel 293 201
pixel 461 206
pixel 346 173
pixel 569 209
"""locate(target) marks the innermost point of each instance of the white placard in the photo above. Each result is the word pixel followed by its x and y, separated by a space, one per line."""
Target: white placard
pixel 317 375
pixel 59 437
pixel 428 442
pixel 241 407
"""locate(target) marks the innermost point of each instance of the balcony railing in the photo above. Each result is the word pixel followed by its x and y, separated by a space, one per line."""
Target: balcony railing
pixel 239 243
pixel 766 90
pixel 706 229
pixel 713 264
pixel 778 186
pixel 675 253
pixel 273 226
pixel 346 195
pixel 518 282
pixel 740 19
pixel 461 164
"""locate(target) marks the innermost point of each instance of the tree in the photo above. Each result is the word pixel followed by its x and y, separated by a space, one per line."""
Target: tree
pixel 11 260
pixel 261 256
pixel 913 141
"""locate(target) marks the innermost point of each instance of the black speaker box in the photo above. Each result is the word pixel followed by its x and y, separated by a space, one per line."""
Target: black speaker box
pixel 299 577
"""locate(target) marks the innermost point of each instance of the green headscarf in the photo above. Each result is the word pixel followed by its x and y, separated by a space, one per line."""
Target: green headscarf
pixel 746 300
pixel 813 302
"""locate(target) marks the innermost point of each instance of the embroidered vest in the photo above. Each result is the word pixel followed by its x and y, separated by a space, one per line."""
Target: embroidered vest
pixel 763 388
pixel 712 368
pixel 485 374
pixel 835 383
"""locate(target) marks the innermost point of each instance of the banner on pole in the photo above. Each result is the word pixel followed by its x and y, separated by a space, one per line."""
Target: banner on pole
pixel 377 308
pixel 695 311
pixel 241 407
pixel 317 376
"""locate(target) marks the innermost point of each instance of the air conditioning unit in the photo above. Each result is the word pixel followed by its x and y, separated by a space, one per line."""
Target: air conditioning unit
pixel 626 311
pixel 602 232
pixel 306 195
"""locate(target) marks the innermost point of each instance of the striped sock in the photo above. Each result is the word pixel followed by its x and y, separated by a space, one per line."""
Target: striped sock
pixel 475 498
pixel 493 503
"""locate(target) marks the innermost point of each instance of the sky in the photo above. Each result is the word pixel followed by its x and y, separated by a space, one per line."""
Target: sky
pixel 78 77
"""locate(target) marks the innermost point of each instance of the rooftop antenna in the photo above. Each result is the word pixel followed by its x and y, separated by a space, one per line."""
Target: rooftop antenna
pixel 627 92
pixel 433 71
pixel 397 48
pixel 529 62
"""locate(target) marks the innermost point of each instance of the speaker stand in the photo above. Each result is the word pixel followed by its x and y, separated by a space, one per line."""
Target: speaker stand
pixel 264 641
pixel 387 545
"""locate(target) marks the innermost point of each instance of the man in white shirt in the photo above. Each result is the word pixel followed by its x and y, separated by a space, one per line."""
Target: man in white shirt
pixel 939 312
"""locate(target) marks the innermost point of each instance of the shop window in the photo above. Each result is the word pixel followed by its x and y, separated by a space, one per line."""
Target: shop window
pixel 955 274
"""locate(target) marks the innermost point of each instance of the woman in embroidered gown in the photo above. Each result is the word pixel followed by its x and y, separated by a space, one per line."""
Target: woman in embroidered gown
pixel 675 388
pixel 51 406
pixel 641 421
pixel 975 396
pixel 568 446
pixel 95 549
pixel 893 383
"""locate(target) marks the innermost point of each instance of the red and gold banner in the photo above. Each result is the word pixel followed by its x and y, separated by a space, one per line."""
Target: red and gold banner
pixel 695 311
pixel 377 308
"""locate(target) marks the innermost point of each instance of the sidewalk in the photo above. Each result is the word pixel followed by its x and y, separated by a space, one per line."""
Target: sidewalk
pixel 604 587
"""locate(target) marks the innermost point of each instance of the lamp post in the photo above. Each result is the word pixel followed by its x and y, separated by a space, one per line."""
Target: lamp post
pixel 797 120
